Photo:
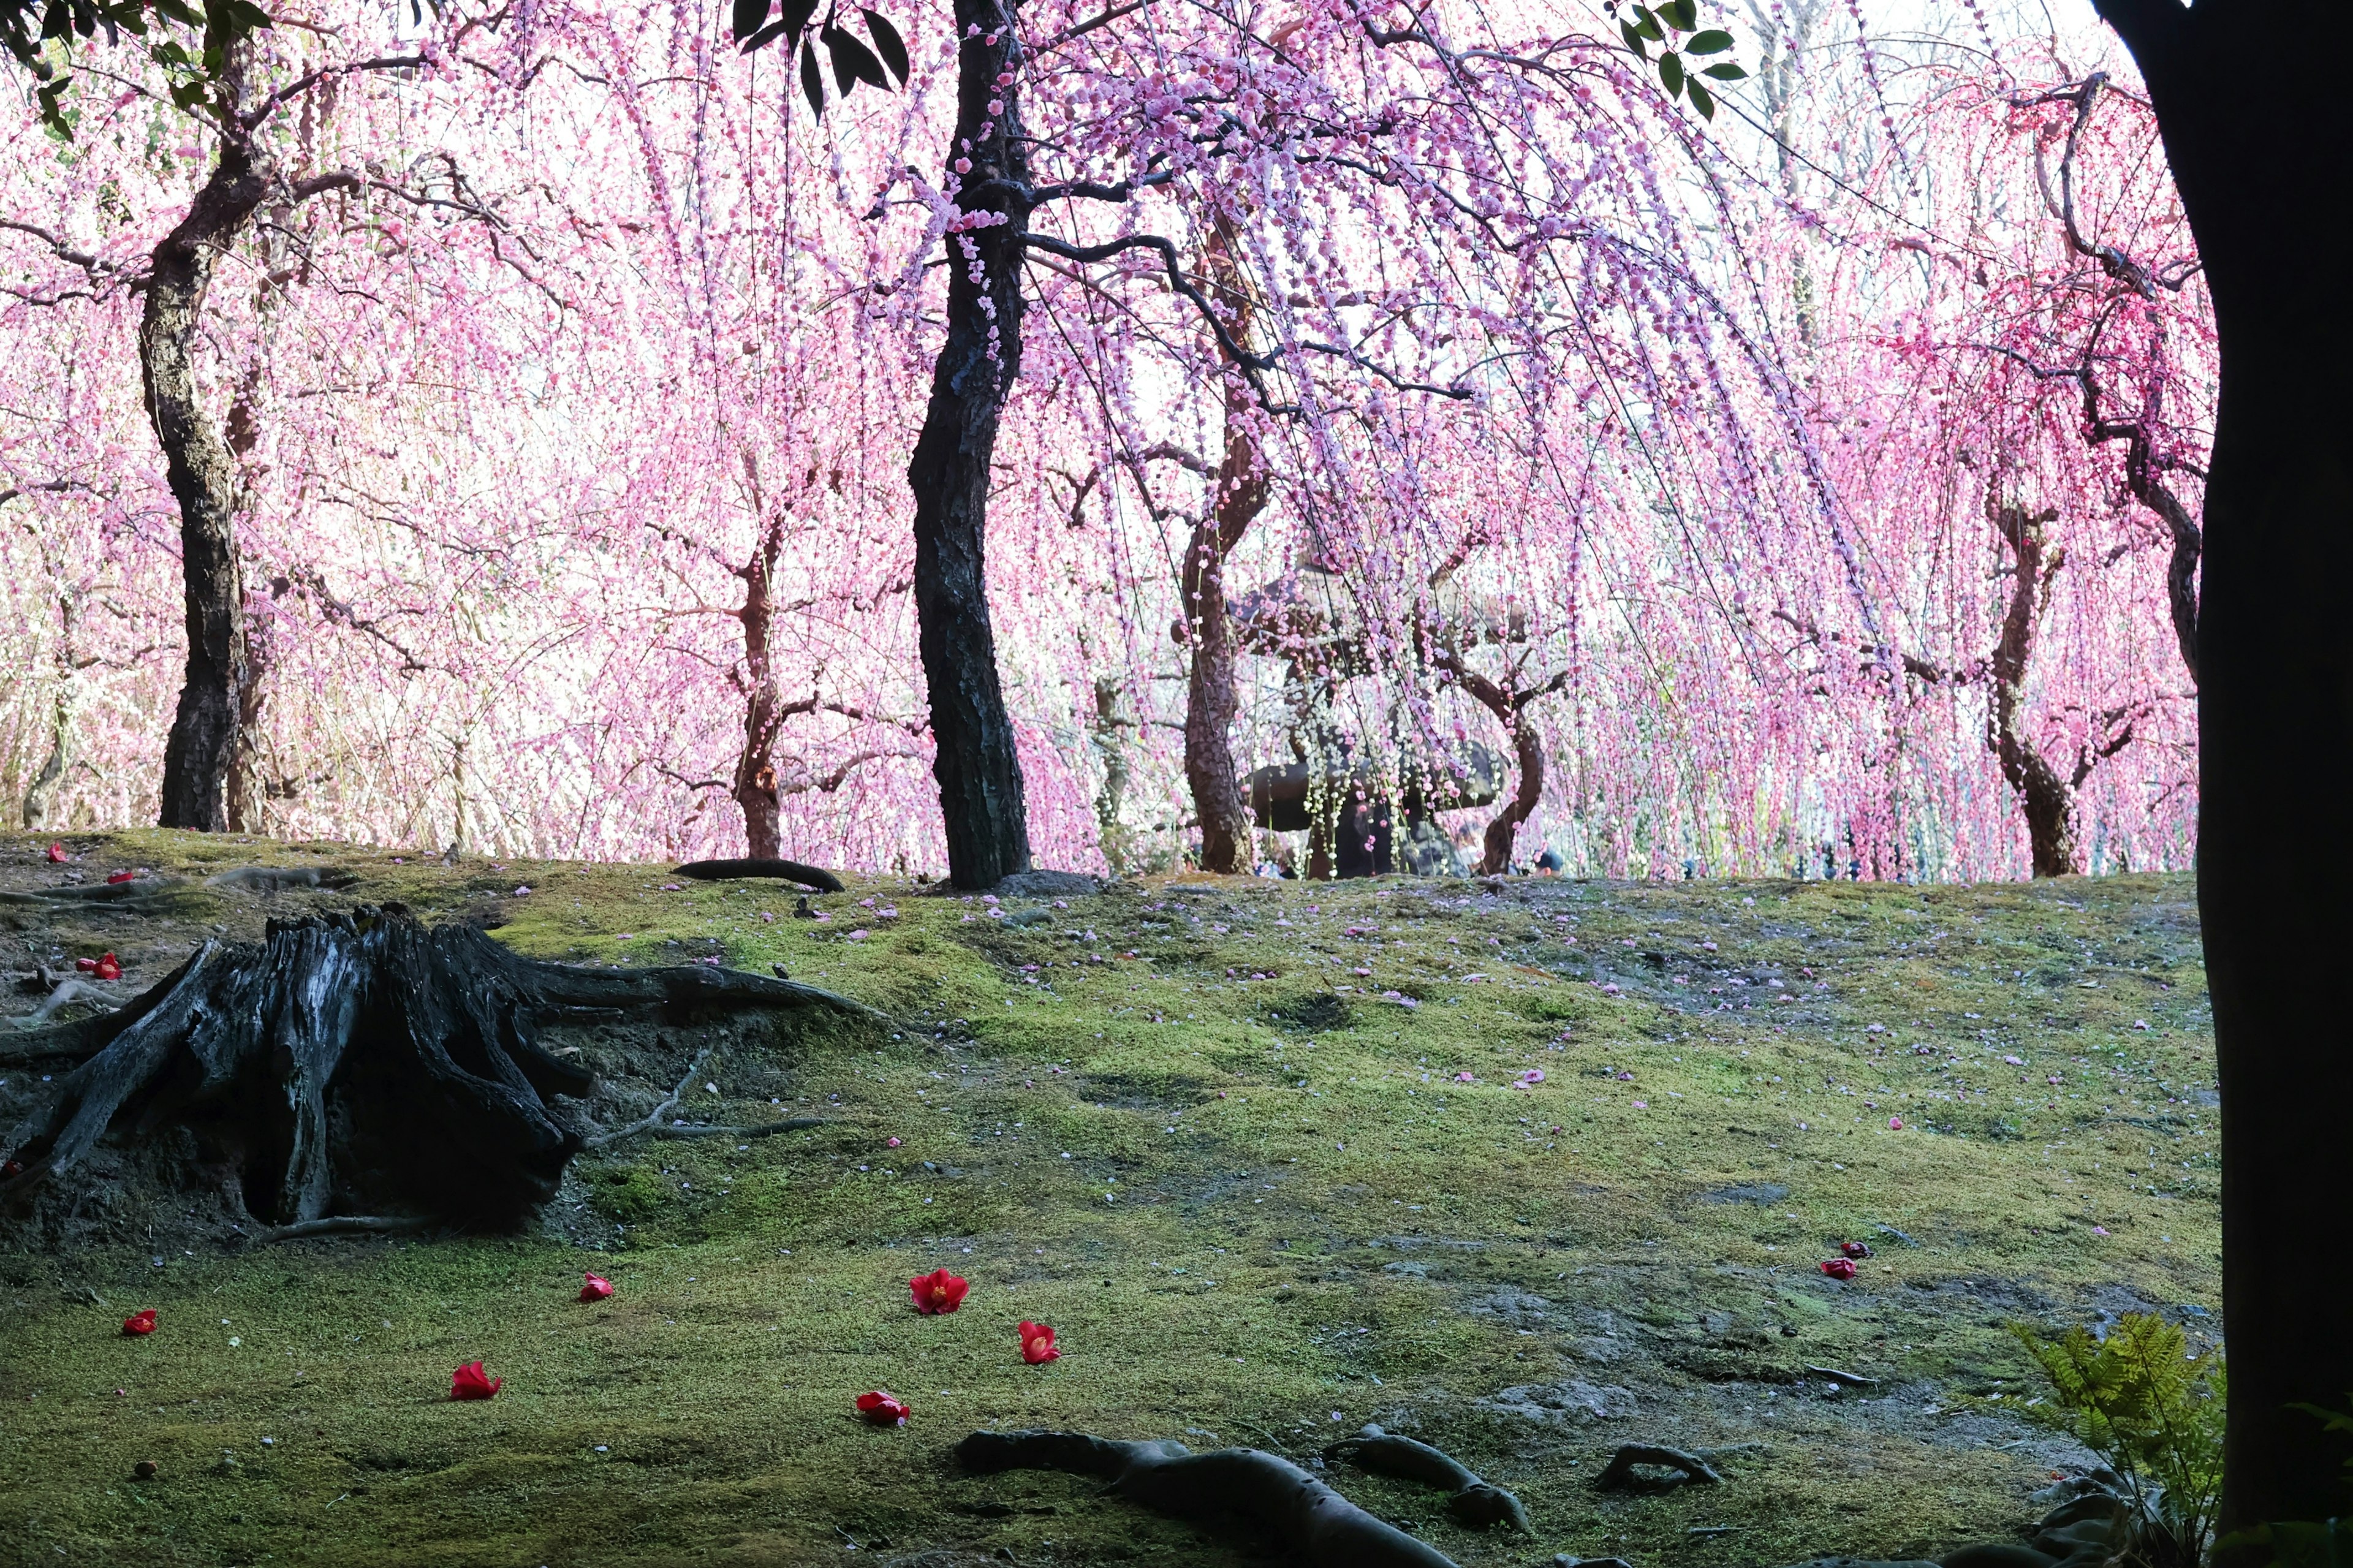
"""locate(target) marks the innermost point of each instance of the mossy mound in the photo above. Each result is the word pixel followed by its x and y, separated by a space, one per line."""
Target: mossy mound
pixel 1240 1174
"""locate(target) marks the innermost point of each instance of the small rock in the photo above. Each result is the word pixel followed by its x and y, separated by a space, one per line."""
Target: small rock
pixel 143 1470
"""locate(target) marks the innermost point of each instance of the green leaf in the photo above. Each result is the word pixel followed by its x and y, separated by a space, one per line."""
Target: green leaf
pixel 1670 73
pixel 1647 24
pixel 1683 15
pixel 812 83
pixel 749 15
pixel 1634 39
pixel 1725 70
pixel 1714 41
pixel 1702 100
pixel 887 43
pixel 797 14
pixel 244 16
pixel 767 36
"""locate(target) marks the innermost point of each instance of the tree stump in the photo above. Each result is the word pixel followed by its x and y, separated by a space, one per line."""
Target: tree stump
pixel 357 1064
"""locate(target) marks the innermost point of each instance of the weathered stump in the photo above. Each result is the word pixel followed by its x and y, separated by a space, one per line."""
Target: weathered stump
pixel 355 1065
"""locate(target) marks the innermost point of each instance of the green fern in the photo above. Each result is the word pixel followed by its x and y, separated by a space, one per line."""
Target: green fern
pixel 2154 1410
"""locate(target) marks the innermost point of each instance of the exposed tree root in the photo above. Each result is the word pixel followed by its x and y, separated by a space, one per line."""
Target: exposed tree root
pixel 132 890
pixel 651 1124
pixel 67 992
pixel 1299 1511
pixel 361 1064
pixel 824 881
pixel 278 878
pixel 341 1225
pixel 1471 1501
pixel 1620 1471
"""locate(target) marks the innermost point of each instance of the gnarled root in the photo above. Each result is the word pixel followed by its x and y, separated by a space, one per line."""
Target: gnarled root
pixel 361 1063
pixel 1299 1511
pixel 1620 1471
pixel 824 881
pixel 1471 1501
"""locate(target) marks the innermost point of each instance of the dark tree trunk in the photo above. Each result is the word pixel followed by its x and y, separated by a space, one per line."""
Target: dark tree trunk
pixel 361 1063
pixel 202 476
pixel 978 769
pixel 1211 700
pixel 2264 163
pixel 2046 799
pixel 754 785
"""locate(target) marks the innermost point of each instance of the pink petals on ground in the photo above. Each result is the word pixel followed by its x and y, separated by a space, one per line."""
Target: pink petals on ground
pixel 1839 1267
pixel 938 1291
pixel 58 856
pixel 469 1382
pixel 883 1409
pixel 1896 1124
pixel 1038 1343
pixel 594 1288
pixel 140 1322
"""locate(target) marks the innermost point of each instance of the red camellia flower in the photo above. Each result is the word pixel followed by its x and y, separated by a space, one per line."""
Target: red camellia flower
pixel 1839 1267
pixel 1855 1249
pixel 140 1322
pixel 938 1291
pixel 57 854
pixel 595 1288
pixel 108 968
pixel 113 877
pixel 469 1382
pixel 1038 1343
pixel 884 1409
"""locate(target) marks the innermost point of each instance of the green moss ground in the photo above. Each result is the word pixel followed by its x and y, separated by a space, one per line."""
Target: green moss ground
pixel 1258 1210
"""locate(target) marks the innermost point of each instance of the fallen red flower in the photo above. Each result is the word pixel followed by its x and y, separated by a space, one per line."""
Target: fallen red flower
pixel 85 964
pixel 113 877
pixel 1855 1249
pixel 140 1322
pixel 594 1288
pixel 883 1409
pixel 1840 1268
pixel 469 1382
pixel 108 968
pixel 58 856
pixel 938 1291
pixel 1038 1343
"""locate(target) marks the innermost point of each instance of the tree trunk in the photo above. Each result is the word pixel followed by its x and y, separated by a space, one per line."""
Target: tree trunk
pixel 976 763
pixel 754 785
pixel 41 795
pixel 203 746
pixel 1212 703
pixel 1110 800
pixel 2264 164
pixel 2047 800
pixel 361 1063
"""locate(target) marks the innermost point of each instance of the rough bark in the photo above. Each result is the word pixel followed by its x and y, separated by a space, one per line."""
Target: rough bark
pixel 1211 701
pixel 2265 172
pixel 202 472
pixel 754 786
pixel 2044 797
pixel 1300 1512
pixel 1111 801
pixel 976 761
pixel 360 1063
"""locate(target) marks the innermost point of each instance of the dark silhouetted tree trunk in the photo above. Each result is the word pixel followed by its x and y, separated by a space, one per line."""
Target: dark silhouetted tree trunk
pixel 1211 701
pixel 2046 799
pixel 754 784
pixel 2263 159
pixel 978 769
pixel 202 747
